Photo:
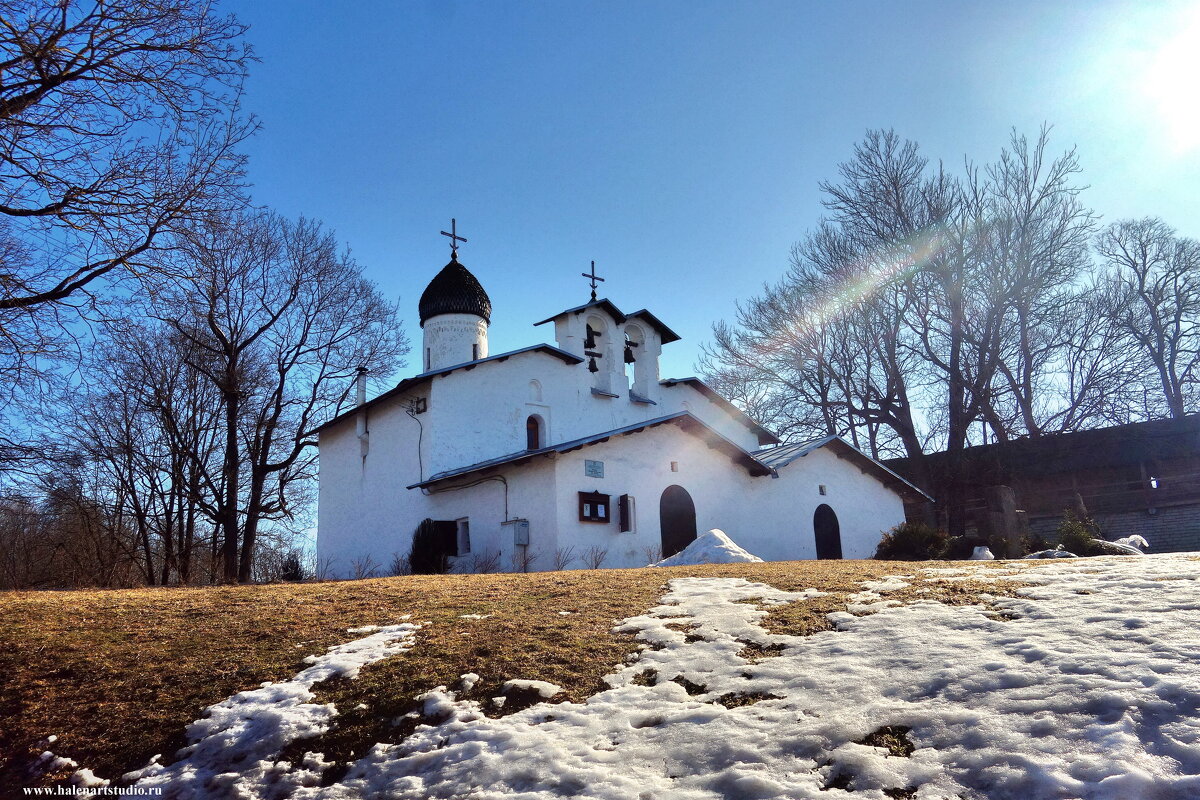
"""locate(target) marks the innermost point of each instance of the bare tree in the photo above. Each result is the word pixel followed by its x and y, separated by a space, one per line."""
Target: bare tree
pixel 485 562
pixel 523 558
pixel 926 307
pixel 563 557
pixel 594 557
pixel 399 565
pixel 278 320
pixel 1152 292
pixel 833 341
pixel 363 567
pixel 119 124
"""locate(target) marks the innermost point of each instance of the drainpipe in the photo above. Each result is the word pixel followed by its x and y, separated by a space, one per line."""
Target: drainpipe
pixel 363 433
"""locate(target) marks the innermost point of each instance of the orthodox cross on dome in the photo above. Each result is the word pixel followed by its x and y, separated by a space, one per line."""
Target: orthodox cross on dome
pixel 593 277
pixel 454 238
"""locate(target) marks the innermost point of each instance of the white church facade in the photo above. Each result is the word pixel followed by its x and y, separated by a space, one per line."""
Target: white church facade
pixel 576 454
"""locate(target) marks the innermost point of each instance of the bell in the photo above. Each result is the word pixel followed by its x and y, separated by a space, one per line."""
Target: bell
pixel 592 365
pixel 589 341
pixel 629 359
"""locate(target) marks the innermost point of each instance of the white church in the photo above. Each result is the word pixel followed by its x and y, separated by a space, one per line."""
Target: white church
pixel 576 454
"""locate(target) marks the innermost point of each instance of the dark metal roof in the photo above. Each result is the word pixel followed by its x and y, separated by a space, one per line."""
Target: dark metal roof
pixel 779 457
pixel 764 436
pixel 784 454
pixel 410 383
pixel 665 334
pixel 454 290
pixel 1052 455
pixel 683 419
pixel 603 302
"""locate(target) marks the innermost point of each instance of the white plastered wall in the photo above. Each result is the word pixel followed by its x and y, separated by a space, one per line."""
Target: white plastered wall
pixel 479 413
pixel 770 517
pixel 449 339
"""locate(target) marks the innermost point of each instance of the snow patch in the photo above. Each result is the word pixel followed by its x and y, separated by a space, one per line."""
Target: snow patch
pixel 542 689
pixel 1052 554
pixel 234 747
pixel 714 547
pixel 1077 695
pixel 1133 541
pixel 982 554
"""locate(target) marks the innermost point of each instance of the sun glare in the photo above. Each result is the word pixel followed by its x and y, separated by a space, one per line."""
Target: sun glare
pixel 1170 80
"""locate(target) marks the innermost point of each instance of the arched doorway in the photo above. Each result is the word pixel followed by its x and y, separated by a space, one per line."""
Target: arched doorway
pixel 677 519
pixel 827 532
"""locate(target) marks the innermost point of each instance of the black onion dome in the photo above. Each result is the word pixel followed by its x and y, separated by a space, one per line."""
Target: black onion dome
pixel 454 290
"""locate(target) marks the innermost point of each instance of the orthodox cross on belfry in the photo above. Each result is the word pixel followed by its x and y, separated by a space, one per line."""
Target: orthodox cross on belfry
pixel 454 237
pixel 593 277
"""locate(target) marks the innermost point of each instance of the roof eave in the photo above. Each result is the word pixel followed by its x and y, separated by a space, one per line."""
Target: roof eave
pixel 686 421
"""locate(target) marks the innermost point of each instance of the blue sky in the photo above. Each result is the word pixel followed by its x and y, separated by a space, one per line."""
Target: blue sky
pixel 680 144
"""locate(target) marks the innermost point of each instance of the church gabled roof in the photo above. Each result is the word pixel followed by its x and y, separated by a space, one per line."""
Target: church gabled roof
pixel 415 381
pixel 665 334
pixel 765 437
pixel 603 302
pixel 683 419
pixel 454 290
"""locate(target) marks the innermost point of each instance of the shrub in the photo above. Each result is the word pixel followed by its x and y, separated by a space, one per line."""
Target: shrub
pixel 960 548
pixel 292 568
pixel 1079 535
pixel 912 541
pixel 1033 543
pixel 430 550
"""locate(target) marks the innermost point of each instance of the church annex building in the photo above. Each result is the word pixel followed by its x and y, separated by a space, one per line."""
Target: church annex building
pixel 577 450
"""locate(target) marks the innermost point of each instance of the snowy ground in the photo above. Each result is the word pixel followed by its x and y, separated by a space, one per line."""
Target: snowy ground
pixel 1086 686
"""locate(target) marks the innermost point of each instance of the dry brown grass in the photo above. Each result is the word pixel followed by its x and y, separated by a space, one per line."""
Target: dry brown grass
pixel 116 675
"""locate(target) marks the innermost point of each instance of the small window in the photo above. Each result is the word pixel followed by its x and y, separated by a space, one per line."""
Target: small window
pixel 427 358
pixel 625 513
pixel 464 537
pixel 533 433
pixel 593 507
pixel 821 489
pixel 475 352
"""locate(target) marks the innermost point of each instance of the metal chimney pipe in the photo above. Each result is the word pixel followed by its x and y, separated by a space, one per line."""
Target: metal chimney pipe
pixel 361 382
pixel 361 426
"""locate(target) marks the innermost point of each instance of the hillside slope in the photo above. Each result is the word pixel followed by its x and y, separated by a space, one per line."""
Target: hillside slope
pixel 1069 678
pixel 117 675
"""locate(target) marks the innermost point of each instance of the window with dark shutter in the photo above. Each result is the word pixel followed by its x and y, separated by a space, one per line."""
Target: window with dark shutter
pixel 447 536
pixel 625 513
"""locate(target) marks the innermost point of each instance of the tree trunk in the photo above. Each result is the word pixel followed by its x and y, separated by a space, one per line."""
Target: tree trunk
pixel 229 514
pixel 250 533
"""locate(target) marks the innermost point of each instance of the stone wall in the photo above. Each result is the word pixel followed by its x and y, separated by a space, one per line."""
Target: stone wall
pixel 1174 529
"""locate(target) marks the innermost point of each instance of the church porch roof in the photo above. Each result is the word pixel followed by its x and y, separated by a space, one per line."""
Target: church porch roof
pixel 683 419
pixel 778 457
